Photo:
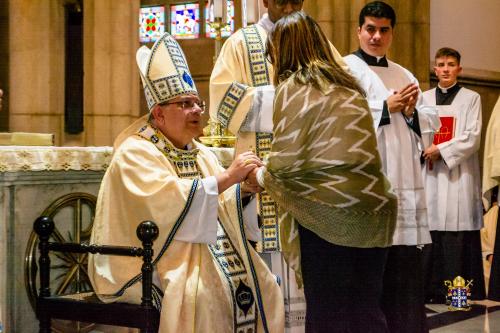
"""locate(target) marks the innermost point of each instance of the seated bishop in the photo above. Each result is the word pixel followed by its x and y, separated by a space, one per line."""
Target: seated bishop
pixel 207 276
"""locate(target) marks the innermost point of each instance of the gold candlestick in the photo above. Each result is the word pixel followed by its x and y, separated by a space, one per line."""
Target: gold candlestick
pixel 218 25
pixel 214 134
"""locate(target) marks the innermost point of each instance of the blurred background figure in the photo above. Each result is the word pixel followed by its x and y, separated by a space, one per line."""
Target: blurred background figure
pixel 491 182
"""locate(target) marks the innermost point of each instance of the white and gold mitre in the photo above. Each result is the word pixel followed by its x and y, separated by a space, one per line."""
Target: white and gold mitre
pixel 164 71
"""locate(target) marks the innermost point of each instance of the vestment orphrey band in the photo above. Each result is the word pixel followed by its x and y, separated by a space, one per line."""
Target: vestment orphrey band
pixel 260 75
pixel 224 253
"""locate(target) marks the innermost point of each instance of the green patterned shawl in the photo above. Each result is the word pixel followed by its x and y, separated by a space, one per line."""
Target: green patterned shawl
pixel 325 172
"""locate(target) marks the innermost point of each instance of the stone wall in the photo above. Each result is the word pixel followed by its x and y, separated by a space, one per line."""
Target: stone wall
pixel 32 71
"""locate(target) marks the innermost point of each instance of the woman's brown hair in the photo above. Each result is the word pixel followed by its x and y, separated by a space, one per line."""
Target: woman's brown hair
pixel 297 46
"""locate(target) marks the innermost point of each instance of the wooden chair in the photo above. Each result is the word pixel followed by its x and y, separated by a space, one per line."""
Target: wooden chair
pixel 86 307
pixel 73 216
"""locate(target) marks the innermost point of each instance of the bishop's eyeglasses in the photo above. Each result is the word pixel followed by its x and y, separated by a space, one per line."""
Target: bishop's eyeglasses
pixel 188 104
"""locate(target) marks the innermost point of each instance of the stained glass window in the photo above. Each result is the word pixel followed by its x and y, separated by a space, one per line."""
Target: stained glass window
pixel 185 21
pixel 209 17
pixel 151 23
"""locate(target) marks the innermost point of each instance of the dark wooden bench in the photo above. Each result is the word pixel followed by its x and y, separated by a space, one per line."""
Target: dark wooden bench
pixel 86 307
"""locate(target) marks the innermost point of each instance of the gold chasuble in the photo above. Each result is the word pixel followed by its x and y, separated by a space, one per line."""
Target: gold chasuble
pixel 231 96
pixel 220 287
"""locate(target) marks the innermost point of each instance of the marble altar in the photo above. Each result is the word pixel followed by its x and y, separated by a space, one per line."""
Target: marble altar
pixel 31 178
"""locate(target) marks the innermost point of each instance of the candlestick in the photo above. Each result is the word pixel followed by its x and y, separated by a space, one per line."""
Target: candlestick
pixel 214 134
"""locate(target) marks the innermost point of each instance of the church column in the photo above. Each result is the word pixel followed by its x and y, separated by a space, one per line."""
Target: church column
pixel 334 18
pixel 411 43
pixel 36 66
pixel 410 46
pixel 111 82
pixel 4 65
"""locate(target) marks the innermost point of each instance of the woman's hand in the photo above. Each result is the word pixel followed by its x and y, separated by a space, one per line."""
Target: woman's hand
pixel 251 184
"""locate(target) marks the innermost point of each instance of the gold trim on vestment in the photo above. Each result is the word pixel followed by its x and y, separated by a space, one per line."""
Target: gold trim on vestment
pixel 229 261
pixel 260 77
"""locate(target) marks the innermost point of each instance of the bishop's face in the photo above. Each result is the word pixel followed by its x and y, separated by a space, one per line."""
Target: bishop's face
pixel 375 36
pixel 447 69
pixel 276 9
pixel 180 120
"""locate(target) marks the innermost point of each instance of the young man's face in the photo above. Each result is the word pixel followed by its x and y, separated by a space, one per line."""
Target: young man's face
pixel 276 9
pixel 447 69
pixel 375 36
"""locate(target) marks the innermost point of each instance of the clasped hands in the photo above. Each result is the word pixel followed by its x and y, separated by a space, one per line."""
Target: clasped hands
pixel 432 153
pixel 404 100
pixel 245 167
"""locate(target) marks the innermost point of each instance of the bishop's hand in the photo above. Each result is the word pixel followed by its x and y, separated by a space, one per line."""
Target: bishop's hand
pixel 238 170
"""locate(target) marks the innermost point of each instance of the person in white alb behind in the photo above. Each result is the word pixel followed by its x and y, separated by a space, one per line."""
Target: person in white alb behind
pixel 453 183
pixel 401 121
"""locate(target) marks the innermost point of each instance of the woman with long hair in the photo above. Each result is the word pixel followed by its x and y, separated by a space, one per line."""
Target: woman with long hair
pixel 324 171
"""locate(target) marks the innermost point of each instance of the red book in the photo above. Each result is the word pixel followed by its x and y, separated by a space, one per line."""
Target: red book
pixel 447 130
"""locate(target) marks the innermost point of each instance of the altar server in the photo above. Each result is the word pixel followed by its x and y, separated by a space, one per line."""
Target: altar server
pixel 453 182
pixel 402 123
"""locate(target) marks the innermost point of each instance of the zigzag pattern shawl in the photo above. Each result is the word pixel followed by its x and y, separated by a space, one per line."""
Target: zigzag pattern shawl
pixel 325 172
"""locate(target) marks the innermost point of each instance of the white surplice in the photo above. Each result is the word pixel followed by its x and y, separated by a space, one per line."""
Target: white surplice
pixel 399 146
pixel 453 185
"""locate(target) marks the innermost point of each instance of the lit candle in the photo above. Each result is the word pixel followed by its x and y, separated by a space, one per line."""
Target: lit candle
pixel 218 8
pixel 252 11
pixel 224 10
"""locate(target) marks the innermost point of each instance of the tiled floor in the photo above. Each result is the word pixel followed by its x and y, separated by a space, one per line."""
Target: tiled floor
pixel 483 317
